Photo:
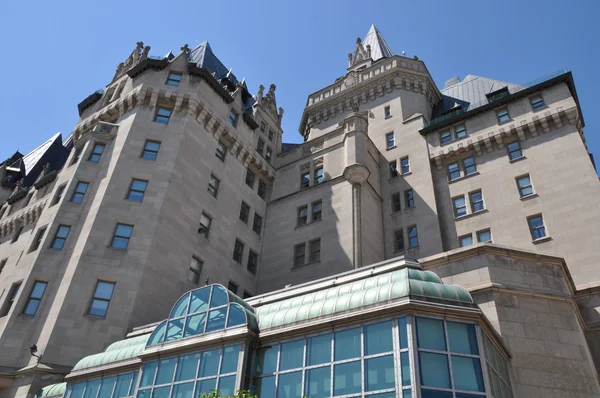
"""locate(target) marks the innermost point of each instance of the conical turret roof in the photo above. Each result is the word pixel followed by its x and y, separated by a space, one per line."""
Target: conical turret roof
pixel 379 48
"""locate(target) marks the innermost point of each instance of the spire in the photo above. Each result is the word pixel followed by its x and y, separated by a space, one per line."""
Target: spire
pixel 379 48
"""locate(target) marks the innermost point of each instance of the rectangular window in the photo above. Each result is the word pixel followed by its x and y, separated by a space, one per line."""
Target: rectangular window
pixel 268 154
pixel 244 212
pixel 537 102
pixel 174 79
pixel 445 137
pixel 453 171
pixel 122 236
pixel 17 235
pixel 302 215
pixel 271 135
pixel 299 254
pixel 413 237
pixel 3 264
pixel 96 153
pixel 389 140
pixel 460 131
pixel 195 270
pixel 263 127
pixel 305 180
pixel 525 186
pixel 205 223
pixel 262 190
pixel 514 150
pixel 35 297
pixel 233 118
pixel 151 149
pixel 238 251
pixel 460 207
pixel 502 115
pixel 465 240
pixel 252 262
pixel 38 239
pixel 536 227
pixel 77 156
pixel 137 189
pixel 396 202
pixel 404 165
pixel 260 146
pixel 314 248
pixel 257 224
pixel 232 287
pixel 221 151
pixel 398 240
pixel 316 211
pixel 213 185
pixel 61 236
pixel 249 178
pixel 59 193
pixel 14 291
pixel 162 115
pixel 469 165
pixel 101 298
pixel 387 112
pixel 393 169
pixel 484 235
pixel 318 176
pixel 476 199
pixel 409 199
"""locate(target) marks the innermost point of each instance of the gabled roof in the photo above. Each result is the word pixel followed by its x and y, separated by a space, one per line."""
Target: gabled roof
pixel 379 48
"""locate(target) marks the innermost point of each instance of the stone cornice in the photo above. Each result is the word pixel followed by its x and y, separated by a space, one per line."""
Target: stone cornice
pixel 22 218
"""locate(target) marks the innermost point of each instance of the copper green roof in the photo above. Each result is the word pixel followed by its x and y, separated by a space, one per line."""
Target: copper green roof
pixel 405 282
pixel 53 390
pixel 117 351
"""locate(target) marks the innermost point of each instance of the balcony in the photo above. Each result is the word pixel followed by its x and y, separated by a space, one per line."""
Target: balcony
pixel 100 130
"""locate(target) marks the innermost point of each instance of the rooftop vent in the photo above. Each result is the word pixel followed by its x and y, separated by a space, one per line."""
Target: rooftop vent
pixel 452 82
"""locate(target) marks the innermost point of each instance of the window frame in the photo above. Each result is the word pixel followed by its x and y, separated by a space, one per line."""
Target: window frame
pixel 393 166
pixel 404 165
pixel 482 231
pixel 252 266
pixel 174 82
pixel 298 255
pixel 457 207
pixel 409 199
pixel 233 118
pixel 37 240
pixel 462 130
pixel 62 239
pixel 390 143
pixel 31 299
pixel 138 191
pixel 446 137
pixel 533 103
pixel 410 238
pixel 533 229
pixel 305 179
pixel 301 220
pixel 60 191
pixel 466 236
pixel 475 203
pixel 387 112
pixel 521 188
pixel 399 245
pixel 14 292
pixel 213 185
pixel 244 215
pixel 396 202
pixel 114 238
pixel 260 146
pixel 250 178
pixel 163 115
pixel 511 152
pixel 97 152
pixel 203 229
pixel 312 257
pixel 472 166
pixel 318 175
pixel 102 299
pixel 271 135
pixel 221 151
pixel 150 152
pixel 451 173
pixel 193 272
pixel 257 223
pixel 503 115
pixel 318 214
pixel 238 250
pixel 262 189
pixel 232 287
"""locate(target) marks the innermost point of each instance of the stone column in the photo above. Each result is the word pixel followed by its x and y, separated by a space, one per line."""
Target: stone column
pixel 356 174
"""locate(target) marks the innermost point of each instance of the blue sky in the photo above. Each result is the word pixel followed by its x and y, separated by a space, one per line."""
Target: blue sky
pixel 57 53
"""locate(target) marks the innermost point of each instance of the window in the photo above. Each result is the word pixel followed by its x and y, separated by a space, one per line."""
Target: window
pixel 61 236
pixel 536 227
pixel 163 115
pixel 318 176
pixel 96 153
pixel 137 189
pixel 302 215
pixel 525 186
pixel 233 118
pixel 465 240
pixel 476 199
pixel 263 127
pixel 121 236
pixel 445 137
pixel 460 131
pixel 398 240
pixel 14 291
pixel 514 150
pixel 213 185
pixel 268 154
pixel 195 270
pixel 413 237
pixel 150 151
pixel 271 135
pixel 314 248
pixel 252 262
pixel 38 239
pixel 393 169
pixel 101 298
pixel 205 223
pixel 249 178
pixel 409 199
pixel 460 208
pixel 79 193
pixel 305 180
pixel 262 190
pixel 453 171
pixel 238 251
pixel 387 112
pixel 35 297
pixel 17 235
pixel 257 224
pixel 260 146
pixel 502 115
pixel 469 165
pixel 232 287
pixel 316 211
pixel 389 141
pixel 174 79
pixel 404 165
pixel 299 254
pixel 537 102
pixel 244 212
pixel 2 264
pixel 59 193
pixel 484 235
pixel 221 151
pixel 77 155
pixel 396 202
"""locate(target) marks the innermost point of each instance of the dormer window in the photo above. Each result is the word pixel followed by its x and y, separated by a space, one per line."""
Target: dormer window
pixel 174 79
pixel 233 118
pixel 496 95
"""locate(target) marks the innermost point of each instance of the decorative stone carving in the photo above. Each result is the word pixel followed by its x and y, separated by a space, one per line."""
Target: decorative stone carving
pixel 139 54
pixel 268 103
pixel 318 162
pixel 314 147
pixel 305 166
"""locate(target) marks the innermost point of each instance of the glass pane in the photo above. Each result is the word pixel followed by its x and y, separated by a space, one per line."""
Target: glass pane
pixel 347 344
pixel 174 329
pixel 237 315
pixel 104 290
pixel 148 374
pixel 120 243
pixel 318 382
pixel 161 392
pixel 467 374
pixel 77 391
pixel 216 319
pixel 346 378
pixel 434 370
pixel 319 349
pixel 154 146
pixel 133 383
pixel 231 354
pixel 92 388
pixel 227 385
pixel 290 385
pixel 405 366
pixel 435 394
pixel 185 390
pixel 463 395
pixel 265 387
pixel 406 394
pixel 378 338
pixel 124 230
pixel 38 290
pixel 379 373
pixel 99 308
pixel 180 308
pixel 430 334
pixel 124 382
pixel 267 360
pixel 139 185
pixel 144 393
pixel 292 355
pixel 158 334
pixel 206 386
pixel 402 329
pixel 166 367
pixel 199 300
pixel 195 324
pixel 219 296
pixel 209 363
pixel 187 367
pixel 108 385
pixel 31 307
pixel 63 231
pixel 462 338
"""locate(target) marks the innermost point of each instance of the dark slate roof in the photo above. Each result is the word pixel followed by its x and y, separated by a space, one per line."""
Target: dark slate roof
pixel 379 48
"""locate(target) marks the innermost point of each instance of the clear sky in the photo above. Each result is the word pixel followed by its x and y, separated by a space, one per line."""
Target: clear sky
pixel 56 53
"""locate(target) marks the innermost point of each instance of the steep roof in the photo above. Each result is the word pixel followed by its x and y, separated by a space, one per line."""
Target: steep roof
pixel 379 48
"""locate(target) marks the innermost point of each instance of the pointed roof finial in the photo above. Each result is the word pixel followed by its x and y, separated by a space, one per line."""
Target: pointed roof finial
pixel 379 48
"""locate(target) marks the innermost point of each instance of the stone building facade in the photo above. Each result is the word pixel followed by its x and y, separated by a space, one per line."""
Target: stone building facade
pixel 176 176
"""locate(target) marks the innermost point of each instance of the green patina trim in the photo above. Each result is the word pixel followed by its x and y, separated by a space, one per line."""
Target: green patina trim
pixel 117 351
pixel 53 390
